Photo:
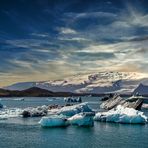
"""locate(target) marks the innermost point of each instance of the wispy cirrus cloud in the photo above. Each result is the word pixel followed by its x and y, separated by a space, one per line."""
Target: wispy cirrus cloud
pixel 67 30
pixel 54 39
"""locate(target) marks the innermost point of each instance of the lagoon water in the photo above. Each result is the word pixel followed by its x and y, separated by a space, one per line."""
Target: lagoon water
pixel 27 133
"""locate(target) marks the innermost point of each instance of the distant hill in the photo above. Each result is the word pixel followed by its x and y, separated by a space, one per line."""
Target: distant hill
pixel 33 92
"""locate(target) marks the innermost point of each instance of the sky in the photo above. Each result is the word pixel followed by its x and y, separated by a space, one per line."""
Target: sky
pixel 54 39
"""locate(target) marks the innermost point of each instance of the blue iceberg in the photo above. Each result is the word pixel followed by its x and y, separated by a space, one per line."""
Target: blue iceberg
pixel 122 115
pixel 82 119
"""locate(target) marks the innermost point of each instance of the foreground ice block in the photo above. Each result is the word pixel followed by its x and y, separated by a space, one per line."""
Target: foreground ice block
pixel 122 115
pixel 53 121
pixel 82 119
pixel 75 109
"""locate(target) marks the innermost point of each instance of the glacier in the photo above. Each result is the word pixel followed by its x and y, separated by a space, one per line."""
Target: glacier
pixel 122 115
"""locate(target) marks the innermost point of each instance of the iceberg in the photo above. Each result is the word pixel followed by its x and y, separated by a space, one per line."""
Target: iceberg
pixel 75 109
pixel 69 99
pixel 10 113
pixel 35 112
pixel 82 119
pixel 145 106
pixel 122 115
pixel 54 121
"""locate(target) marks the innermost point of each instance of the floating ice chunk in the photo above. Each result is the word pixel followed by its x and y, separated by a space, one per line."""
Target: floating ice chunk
pixel 71 99
pixel 122 115
pixel 53 121
pixel 145 106
pixel 10 113
pixel 75 109
pixel 27 112
pixel 19 99
pixel 82 119
pixel 35 112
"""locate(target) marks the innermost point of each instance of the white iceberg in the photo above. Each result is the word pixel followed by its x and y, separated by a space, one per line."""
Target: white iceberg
pixel 122 115
pixel 6 113
pixel 72 99
pixel 75 109
pixel 53 121
pixel 145 106
pixel 35 112
pixel 10 113
pixel 82 119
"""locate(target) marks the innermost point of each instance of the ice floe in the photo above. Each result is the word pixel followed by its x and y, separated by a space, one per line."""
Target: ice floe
pixel 53 121
pixel 27 112
pixel 145 106
pixel 10 113
pixel 122 115
pixel 35 112
pixel 72 99
pixel 19 99
pixel 75 109
pixel 79 114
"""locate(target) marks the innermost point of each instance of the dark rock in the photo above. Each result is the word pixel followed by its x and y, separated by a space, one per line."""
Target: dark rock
pixel 26 114
pixel 117 100
pixel 106 97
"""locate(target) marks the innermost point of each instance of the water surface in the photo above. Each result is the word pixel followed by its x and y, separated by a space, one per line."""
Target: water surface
pixel 27 133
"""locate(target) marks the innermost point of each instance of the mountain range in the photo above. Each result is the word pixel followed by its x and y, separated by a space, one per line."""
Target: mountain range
pixel 92 83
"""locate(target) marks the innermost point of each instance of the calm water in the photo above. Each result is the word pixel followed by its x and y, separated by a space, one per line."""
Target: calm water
pixel 27 133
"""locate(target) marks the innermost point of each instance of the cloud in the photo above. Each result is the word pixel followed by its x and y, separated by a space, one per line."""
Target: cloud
pixel 135 17
pixel 98 14
pixel 88 56
pixel 54 39
pixel 42 35
pixel 79 39
pixel 67 31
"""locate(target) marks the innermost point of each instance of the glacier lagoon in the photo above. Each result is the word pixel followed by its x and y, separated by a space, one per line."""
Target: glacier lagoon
pixel 26 132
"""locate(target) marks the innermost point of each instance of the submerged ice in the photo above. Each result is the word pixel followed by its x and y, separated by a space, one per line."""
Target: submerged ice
pixel 122 115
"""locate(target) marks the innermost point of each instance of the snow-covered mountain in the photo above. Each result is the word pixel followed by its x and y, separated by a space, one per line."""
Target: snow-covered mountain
pixel 141 89
pixel 101 82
